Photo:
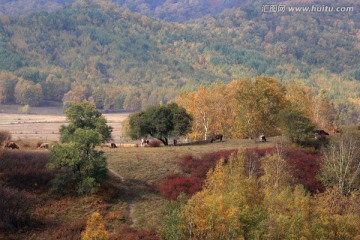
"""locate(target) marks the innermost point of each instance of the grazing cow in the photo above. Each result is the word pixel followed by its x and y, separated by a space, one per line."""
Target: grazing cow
pixel 44 145
pixel 113 145
pixel 11 145
pixel 145 142
pixel 262 138
pixel 320 134
pixel 216 137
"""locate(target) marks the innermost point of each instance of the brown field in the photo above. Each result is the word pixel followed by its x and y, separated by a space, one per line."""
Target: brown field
pixel 44 122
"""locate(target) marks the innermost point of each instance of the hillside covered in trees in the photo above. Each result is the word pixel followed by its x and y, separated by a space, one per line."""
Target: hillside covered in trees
pixel 177 11
pixel 122 60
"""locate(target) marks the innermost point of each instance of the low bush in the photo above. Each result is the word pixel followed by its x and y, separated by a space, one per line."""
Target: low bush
pixel 14 208
pixel 199 167
pixel 196 170
pixel 304 167
pixel 4 136
pixel 25 169
pixel 71 231
pixel 175 184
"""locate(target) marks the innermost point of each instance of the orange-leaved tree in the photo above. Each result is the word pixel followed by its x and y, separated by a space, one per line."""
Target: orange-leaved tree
pixel 95 228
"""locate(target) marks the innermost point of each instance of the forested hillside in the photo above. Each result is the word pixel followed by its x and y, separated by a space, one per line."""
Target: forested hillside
pixel 177 11
pixel 125 61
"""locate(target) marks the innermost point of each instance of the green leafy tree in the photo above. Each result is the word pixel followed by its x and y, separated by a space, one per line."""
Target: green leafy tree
pixel 160 122
pixel 295 125
pixel 84 116
pixel 79 163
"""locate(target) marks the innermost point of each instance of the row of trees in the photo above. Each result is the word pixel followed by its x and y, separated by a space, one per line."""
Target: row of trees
pixel 235 204
pixel 250 107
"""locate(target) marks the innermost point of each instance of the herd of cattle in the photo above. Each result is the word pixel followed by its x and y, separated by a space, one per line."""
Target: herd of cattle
pixel 319 134
pixel 13 145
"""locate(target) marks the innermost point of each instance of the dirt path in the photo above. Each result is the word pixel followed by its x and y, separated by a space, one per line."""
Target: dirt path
pixel 127 197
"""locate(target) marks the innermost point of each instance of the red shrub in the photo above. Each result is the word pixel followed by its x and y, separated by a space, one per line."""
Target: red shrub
pixel 173 185
pixel 199 167
pixel 126 232
pixel 24 170
pixel 4 136
pixel 71 231
pixel 304 167
pixel 14 208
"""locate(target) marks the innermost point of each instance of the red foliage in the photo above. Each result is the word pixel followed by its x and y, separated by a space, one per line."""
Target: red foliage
pixel 71 231
pixel 174 184
pixel 25 170
pixel 14 208
pixel 126 232
pixel 304 167
pixel 199 167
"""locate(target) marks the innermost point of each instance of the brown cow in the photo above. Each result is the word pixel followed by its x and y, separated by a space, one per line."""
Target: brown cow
pixel 44 145
pixel 11 145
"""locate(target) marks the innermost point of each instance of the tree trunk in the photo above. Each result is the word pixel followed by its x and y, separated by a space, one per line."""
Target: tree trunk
pixel 164 141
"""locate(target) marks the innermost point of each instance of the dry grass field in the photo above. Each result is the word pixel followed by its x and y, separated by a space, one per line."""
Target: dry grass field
pixel 43 123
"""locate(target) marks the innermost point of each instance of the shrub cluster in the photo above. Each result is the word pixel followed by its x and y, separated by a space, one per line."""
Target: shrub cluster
pixel 15 208
pixel 4 136
pixel 304 167
pixel 25 169
pixel 175 184
pixel 71 231
pixel 198 167
pixel 195 170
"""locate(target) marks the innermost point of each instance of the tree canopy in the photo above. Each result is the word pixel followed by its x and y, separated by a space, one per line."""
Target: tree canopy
pixel 160 122
pixel 84 116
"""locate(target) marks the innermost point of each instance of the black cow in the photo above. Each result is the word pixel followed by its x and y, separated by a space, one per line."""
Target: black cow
pixel 216 137
pixel 113 145
pixel 11 145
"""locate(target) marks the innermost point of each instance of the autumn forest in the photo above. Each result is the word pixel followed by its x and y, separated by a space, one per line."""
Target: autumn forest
pixel 235 123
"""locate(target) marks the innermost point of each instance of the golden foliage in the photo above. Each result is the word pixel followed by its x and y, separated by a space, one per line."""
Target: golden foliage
pixel 95 229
